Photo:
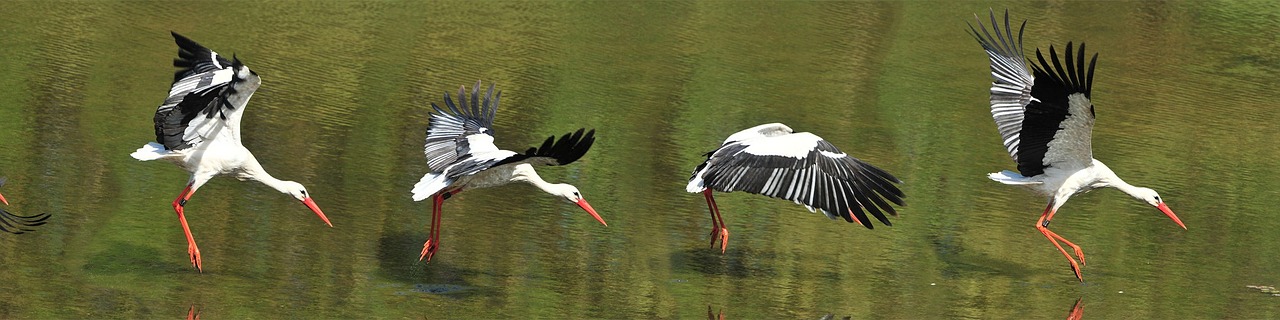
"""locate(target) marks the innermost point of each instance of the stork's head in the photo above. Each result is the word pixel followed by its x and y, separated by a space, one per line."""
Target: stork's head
pixel 571 194
pixel 1152 198
pixel 300 192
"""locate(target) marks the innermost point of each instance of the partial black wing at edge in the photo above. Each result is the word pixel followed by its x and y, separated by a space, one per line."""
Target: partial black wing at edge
pixel 566 150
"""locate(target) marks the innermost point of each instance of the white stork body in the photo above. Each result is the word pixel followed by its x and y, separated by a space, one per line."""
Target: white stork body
pixel 461 155
pixel 1046 118
pixel 771 160
pixel 198 128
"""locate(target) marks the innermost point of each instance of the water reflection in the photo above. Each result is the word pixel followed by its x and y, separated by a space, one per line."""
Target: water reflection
pixel 719 315
pixel 1077 310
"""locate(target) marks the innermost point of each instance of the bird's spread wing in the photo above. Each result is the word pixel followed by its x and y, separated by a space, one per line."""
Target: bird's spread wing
pixel 1011 81
pixel 807 170
pixel 569 148
pixel 206 99
pixel 1033 109
pixel 18 224
pixel 462 128
pixel 1059 124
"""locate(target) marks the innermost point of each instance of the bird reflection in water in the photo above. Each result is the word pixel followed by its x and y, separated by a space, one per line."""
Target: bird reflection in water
pixel 1077 311
pixel 719 315
pixel 193 313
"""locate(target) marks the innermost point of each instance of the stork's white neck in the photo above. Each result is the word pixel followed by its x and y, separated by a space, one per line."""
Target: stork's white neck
pixel 252 170
pixel 1108 178
pixel 524 172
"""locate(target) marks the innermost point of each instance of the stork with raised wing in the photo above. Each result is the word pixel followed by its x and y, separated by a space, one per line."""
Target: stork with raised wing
pixel 461 155
pixel 771 160
pixel 198 128
pixel 1045 118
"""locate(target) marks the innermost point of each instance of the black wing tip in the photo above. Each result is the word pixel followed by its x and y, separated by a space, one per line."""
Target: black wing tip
pixel 19 222
pixel 1006 45
pixel 1073 77
pixel 569 148
pixel 477 109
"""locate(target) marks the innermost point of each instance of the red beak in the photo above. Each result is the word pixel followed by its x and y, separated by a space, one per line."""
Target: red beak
pixel 312 205
pixel 1164 208
pixel 6 202
pixel 587 206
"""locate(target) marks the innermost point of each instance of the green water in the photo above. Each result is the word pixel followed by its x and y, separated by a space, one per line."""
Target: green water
pixel 1185 103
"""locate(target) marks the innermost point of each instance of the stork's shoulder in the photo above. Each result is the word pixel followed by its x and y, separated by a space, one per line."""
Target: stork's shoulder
pixel 760 131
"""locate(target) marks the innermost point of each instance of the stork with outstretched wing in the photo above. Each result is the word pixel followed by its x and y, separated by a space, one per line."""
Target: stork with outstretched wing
pixel 461 155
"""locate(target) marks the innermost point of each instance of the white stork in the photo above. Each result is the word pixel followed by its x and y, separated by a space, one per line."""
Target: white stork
pixel 770 160
pixel 198 128
pixel 16 224
pixel 461 155
pixel 1046 119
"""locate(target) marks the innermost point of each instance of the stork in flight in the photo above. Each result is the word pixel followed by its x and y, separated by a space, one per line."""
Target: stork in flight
pixel 198 128
pixel 461 155
pixel 17 224
pixel 1045 119
pixel 771 160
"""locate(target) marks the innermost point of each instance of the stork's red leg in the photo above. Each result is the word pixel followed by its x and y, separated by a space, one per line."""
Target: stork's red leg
pixel 1054 237
pixel 719 231
pixel 433 241
pixel 1045 224
pixel 178 204
pixel 1079 252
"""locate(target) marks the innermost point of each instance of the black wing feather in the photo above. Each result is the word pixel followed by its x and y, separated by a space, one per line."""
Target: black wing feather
pixel 1053 84
pixel 18 224
pixel 194 58
pixel 205 98
pixel 566 150
pixel 844 186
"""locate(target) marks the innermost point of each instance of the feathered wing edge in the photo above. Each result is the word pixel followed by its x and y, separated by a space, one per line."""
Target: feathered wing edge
pixel 1074 78
pixel 194 58
pixel 1012 82
pixel 450 125
pixel 569 148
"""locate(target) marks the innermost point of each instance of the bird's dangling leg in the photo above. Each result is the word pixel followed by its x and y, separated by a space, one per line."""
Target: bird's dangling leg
pixel 192 250
pixel 1045 224
pixel 1054 238
pixel 433 239
pixel 718 229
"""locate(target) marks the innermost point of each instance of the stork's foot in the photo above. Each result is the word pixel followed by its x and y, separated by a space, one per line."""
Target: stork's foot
pixel 194 252
pixel 428 250
pixel 720 234
pixel 1076 268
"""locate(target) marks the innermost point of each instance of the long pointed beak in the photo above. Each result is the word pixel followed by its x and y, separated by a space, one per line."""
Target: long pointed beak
pixel 587 206
pixel 314 208
pixel 6 202
pixel 1164 208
